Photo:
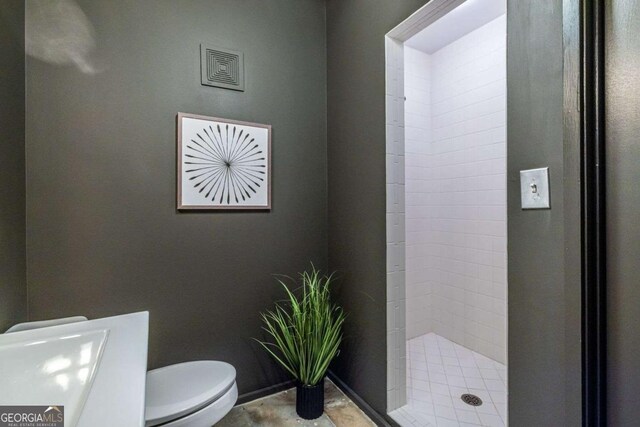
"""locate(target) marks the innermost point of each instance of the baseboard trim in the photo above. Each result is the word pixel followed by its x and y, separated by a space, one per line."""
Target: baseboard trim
pixel 376 417
pixel 264 392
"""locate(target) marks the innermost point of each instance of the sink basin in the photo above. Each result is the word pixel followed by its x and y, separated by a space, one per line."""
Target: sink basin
pixel 63 368
pixel 96 368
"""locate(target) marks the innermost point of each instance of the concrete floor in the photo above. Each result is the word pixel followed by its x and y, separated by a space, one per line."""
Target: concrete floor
pixel 279 410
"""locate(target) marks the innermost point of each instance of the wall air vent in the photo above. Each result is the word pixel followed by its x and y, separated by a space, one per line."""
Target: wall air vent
pixel 221 67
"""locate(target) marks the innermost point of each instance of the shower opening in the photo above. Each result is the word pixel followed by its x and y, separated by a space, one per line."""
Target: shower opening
pixel 447 216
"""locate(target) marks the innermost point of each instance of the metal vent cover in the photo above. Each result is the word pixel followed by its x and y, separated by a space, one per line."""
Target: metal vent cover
pixel 471 399
pixel 221 67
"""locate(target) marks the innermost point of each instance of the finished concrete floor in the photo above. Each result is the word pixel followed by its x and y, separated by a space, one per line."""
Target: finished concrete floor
pixel 279 410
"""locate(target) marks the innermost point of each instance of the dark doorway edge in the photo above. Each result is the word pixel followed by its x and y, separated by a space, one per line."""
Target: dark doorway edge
pixel 592 137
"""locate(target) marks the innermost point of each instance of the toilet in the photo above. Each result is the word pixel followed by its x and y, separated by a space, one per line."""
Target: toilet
pixel 190 394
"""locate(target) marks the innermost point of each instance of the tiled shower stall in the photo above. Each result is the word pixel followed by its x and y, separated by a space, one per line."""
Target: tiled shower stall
pixel 455 157
pixel 446 229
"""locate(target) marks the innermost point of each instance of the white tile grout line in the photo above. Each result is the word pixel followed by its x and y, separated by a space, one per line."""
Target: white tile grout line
pixel 439 371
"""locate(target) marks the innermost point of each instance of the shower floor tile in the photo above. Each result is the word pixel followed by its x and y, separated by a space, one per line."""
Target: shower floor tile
pixel 439 371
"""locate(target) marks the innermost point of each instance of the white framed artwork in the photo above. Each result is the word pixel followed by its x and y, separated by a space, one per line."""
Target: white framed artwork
pixel 223 164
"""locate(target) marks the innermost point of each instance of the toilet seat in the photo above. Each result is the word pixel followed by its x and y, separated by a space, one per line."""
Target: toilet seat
pixel 179 390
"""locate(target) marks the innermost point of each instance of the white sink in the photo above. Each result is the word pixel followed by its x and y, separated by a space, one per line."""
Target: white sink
pixel 56 370
pixel 97 369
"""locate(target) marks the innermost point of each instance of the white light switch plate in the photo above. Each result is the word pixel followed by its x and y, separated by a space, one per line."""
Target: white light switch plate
pixel 534 188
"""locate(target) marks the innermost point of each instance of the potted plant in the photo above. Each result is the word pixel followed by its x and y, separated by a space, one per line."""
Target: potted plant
pixel 305 331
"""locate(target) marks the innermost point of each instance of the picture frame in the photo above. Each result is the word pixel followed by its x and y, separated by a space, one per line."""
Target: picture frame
pixel 222 164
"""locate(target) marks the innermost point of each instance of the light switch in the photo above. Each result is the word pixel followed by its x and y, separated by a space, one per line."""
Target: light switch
pixel 534 188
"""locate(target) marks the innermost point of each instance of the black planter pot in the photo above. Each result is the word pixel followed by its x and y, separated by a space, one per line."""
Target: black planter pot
pixel 310 400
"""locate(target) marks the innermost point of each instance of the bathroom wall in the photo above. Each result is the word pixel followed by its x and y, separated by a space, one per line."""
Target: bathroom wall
pixel 622 90
pixel 104 236
pixel 13 289
pixel 456 192
pixel 420 269
pixel 544 288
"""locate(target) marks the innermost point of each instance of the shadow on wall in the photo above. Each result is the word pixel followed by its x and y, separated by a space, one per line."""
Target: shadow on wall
pixel 354 338
pixel 58 32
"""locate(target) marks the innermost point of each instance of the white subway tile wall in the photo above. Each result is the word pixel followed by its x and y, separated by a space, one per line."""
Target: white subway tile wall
pixel 455 165
pixel 396 323
pixel 420 273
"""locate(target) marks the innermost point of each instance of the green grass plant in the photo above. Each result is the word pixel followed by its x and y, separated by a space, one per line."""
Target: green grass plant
pixel 305 330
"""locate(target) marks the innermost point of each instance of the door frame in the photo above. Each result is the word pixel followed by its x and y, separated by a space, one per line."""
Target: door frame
pixel 593 198
pixel 584 134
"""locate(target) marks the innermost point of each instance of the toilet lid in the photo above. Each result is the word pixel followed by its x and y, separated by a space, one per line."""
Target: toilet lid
pixel 178 390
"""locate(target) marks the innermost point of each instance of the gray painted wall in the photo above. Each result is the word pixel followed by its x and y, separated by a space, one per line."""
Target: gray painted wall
pixel 622 157
pixel 544 304
pixel 104 236
pixel 13 290
pixel 357 191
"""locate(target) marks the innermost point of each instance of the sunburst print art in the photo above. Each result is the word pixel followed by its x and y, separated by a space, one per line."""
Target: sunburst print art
pixel 223 164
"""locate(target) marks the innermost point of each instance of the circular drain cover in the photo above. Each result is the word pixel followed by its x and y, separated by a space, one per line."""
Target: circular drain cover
pixel 471 399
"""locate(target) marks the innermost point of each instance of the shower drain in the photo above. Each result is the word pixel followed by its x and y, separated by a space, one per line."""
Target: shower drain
pixel 471 399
